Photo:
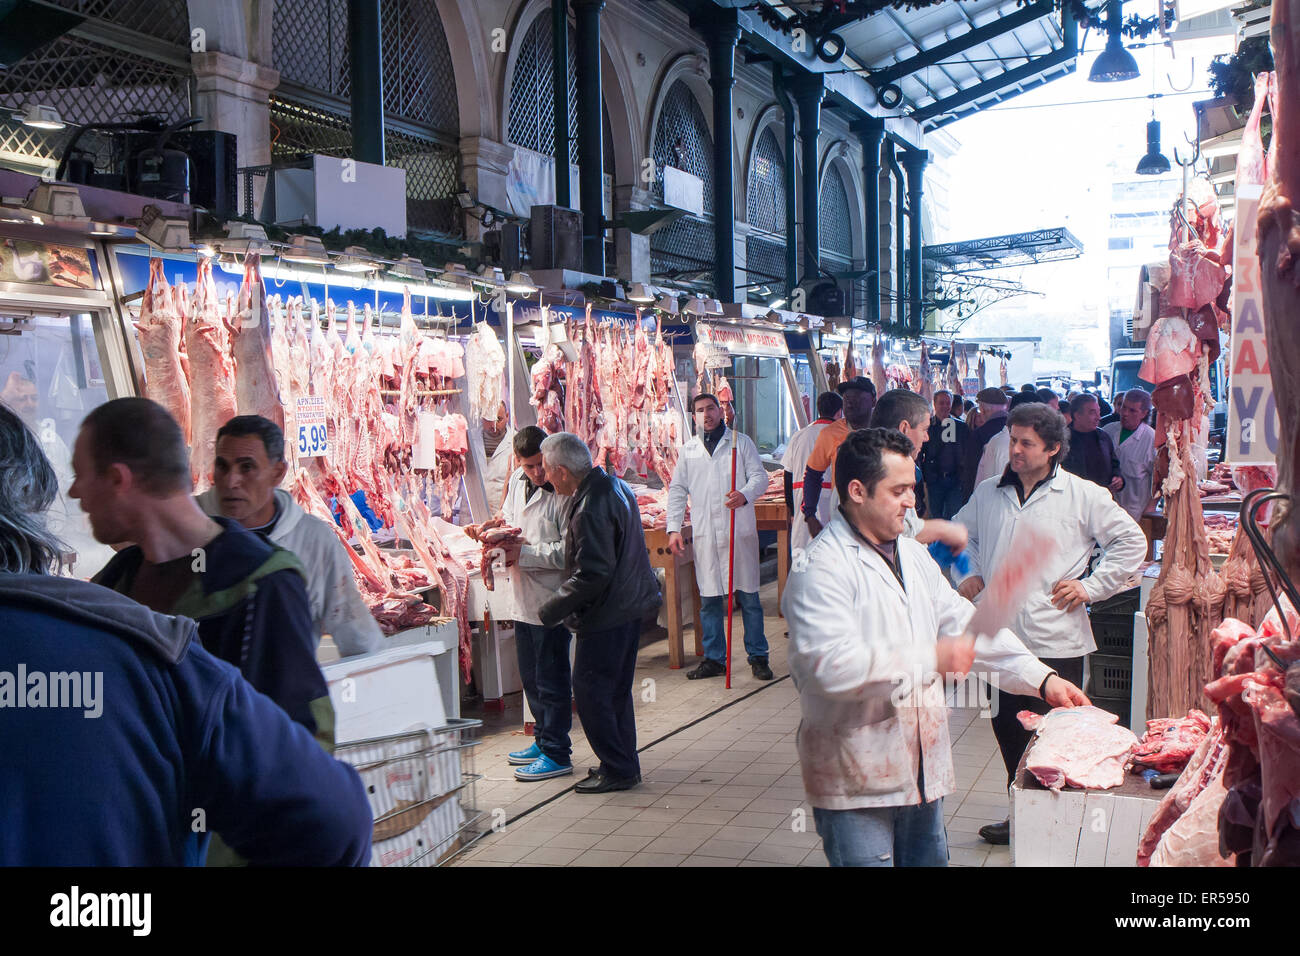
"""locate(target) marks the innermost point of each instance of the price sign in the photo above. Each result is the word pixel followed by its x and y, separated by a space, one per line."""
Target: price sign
pixel 313 436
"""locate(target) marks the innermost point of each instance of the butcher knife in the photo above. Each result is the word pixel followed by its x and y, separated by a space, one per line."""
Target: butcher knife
pixel 1005 591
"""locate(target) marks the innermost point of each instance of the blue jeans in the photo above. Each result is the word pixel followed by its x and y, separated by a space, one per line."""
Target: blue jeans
pixel 713 616
pixel 884 836
pixel 543 655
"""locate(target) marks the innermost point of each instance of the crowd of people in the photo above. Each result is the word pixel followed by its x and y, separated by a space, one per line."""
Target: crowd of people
pixel 206 620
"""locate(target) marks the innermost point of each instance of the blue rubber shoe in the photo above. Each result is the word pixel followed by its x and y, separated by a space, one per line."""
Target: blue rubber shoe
pixel 543 768
pixel 522 758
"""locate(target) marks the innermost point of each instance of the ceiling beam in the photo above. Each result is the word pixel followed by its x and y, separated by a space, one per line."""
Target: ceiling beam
pixel 962 43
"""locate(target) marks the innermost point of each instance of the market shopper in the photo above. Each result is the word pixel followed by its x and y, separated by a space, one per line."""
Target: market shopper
pixel 942 457
pixel 993 407
pixel 703 478
pixel 609 589
pixel 536 572
pixel 874 627
pixel 172 728
pixel 1092 453
pixel 247 473
pixel 248 595
pixel 830 408
pixel 1135 446
pixel 1036 492
pixel 859 394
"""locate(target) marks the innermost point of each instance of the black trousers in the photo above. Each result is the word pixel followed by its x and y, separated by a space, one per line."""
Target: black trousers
pixel 1011 736
pixel 604 667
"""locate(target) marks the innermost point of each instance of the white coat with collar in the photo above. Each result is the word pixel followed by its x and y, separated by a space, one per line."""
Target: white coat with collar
pixel 796 461
pixel 862 655
pixel 1076 514
pixel 336 605
pixel 540 570
pixel 705 480
pixel 1137 463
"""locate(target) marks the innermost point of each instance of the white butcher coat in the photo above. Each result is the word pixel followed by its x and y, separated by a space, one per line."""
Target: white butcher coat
pixel 1137 463
pixel 497 471
pixel 706 481
pixel 1075 513
pixel 336 605
pixel 795 461
pixel 540 571
pixel 862 655
pixel 994 458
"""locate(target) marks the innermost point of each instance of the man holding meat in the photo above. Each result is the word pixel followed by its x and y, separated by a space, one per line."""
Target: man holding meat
pixel 874 626
pixel 1036 492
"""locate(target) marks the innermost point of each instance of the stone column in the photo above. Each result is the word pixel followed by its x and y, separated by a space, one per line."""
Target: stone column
pixel 485 163
pixel 234 97
pixel 632 250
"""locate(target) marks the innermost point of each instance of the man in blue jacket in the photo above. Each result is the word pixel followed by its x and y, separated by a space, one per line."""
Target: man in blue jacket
pixel 125 742
pixel 248 596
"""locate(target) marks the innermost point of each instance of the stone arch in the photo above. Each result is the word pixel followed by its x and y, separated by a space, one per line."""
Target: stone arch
pixel 693 70
pixel 768 116
pixel 469 66
pixel 838 157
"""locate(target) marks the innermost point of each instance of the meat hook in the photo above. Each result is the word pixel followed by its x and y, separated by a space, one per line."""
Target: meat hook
pixel 1191 78
pixel 1269 564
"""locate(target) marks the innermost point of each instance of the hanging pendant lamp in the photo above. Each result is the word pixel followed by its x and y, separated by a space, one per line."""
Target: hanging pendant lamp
pixel 1114 63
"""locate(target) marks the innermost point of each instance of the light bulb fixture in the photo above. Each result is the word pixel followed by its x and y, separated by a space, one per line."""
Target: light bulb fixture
pixel 355 259
pixel 456 274
pixel 712 307
pixel 1114 64
pixel 56 200
pixel 639 294
pixel 491 274
pixel 695 306
pixel 409 268
pixel 666 303
pixel 308 250
pixel 40 116
pixel 243 238
pixel 521 283
pixel 1154 163
pixel 163 233
pixel 777 302
pixel 802 323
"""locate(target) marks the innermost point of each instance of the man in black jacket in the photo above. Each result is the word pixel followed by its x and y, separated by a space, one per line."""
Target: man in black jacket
pixel 248 596
pixel 1092 453
pixel 609 591
pixel 943 456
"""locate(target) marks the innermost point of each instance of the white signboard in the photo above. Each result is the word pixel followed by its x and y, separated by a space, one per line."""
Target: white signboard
pixel 313 436
pixel 1253 423
pixel 683 190
pixel 741 340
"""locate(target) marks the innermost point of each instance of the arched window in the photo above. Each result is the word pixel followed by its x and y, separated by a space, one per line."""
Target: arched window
pixel 310 111
pixel 836 235
pixel 684 250
pixel 765 204
pixel 531 123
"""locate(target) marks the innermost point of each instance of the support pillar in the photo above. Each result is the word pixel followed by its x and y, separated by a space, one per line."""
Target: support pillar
pixel 560 82
pixel 871 133
pixel 896 311
pixel 808 89
pixel 365 68
pixel 233 95
pixel 591 191
pixel 722 31
pixel 914 162
pixel 781 87
pixel 632 250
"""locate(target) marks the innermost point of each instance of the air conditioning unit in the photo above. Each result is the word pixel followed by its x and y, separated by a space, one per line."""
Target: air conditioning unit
pixel 555 238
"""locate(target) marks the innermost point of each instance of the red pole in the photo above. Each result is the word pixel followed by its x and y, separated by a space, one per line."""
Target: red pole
pixel 731 558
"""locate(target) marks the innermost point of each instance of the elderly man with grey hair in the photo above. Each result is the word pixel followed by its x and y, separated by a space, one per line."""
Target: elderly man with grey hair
pixel 609 591
pixel 1135 445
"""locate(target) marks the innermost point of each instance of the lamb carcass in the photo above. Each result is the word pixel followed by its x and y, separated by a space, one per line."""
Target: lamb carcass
pixel 212 371
pixel 257 390
pixel 162 335
pixel 1169 742
pixel 1077 747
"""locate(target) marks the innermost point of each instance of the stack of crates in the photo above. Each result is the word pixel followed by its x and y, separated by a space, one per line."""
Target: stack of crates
pixel 421 791
pixel 1110 667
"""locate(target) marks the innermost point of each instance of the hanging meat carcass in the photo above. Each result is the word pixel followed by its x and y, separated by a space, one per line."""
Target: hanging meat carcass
pixel 485 361
pixel 256 387
pixel 926 384
pixel 212 372
pixel 878 376
pixel 161 331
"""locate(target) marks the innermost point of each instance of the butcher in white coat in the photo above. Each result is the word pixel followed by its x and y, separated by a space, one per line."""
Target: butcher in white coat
pixel 829 407
pixel 248 469
pixel 1135 444
pixel 874 629
pixel 1076 515
pixel 703 477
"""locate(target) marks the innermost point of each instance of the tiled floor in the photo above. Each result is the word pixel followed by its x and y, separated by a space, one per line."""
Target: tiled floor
pixel 723 791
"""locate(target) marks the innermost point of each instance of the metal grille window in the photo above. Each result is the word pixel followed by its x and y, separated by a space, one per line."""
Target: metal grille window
pixel 835 224
pixel 766 199
pixel 309 44
pixel 87 82
pixel 685 249
pixel 167 20
pixel 418 81
pixel 532 92
pixel 765 261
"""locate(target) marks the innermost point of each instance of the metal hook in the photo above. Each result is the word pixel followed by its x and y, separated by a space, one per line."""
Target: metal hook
pixel 1194 143
pixel 1191 78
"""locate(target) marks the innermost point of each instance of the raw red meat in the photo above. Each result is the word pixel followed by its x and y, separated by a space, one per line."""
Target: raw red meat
pixel 1200 783
pixel 256 387
pixel 1078 747
pixel 1171 350
pixel 1169 742
pixel 161 332
pixel 212 374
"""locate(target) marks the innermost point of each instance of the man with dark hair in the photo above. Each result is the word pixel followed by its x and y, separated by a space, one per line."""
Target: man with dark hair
pixel 994 459
pixel 829 408
pixel 1047 396
pixel 1028 388
pixel 875 627
pixel 247 471
pixel 703 477
pixel 1092 453
pixel 1036 493
pixel 1113 416
pixel 536 572
pixel 859 394
pixel 174 730
pixel 248 596
pixel 608 590
pixel 993 406
pixel 942 457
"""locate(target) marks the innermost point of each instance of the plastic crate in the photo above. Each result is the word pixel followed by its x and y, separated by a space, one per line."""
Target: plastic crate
pixel 1124 604
pixel 1119 706
pixel 1113 634
pixel 1111 676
